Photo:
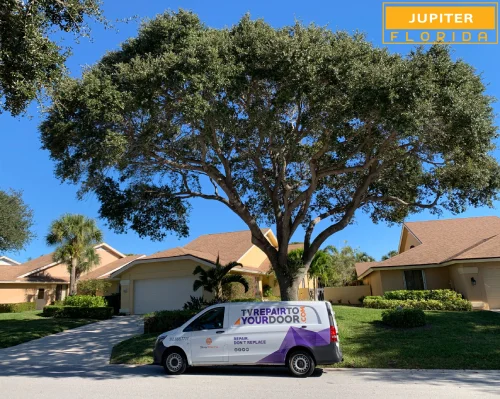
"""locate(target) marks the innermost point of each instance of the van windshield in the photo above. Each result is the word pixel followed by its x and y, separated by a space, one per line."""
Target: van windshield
pixel 210 320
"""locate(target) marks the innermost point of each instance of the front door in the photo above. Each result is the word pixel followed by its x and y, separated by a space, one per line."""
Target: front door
pixel 208 337
pixel 40 298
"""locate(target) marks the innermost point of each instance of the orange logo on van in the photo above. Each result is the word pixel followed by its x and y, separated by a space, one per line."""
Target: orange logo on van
pixel 209 341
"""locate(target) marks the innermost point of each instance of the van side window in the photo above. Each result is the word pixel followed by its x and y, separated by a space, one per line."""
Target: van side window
pixel 210 320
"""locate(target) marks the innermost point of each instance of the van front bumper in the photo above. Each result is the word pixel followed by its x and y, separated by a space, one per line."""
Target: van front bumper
pixel 158 352
pixel 327 354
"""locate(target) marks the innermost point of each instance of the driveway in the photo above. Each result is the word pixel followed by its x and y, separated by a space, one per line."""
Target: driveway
pixel 88 346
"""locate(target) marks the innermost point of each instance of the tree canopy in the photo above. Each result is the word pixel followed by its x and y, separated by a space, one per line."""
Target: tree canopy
pixel 30 60
pixel 293 126
pixel 16 219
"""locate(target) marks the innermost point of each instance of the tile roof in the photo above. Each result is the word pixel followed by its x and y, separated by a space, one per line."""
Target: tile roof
pixel 105 271
pixel 14 273
pixel 11 273
pixel 447 240
pixel 229 246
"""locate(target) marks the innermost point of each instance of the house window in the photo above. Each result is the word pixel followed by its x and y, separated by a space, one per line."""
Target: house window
pixel 41 293
pixel 414 279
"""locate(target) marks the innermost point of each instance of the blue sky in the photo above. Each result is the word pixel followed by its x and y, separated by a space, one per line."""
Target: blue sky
pixel 24 166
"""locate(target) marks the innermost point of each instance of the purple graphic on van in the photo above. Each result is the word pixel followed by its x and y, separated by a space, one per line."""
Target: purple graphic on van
pixel 298 337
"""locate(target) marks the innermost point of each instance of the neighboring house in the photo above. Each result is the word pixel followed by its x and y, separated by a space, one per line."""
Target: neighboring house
pixel 461 254
pixel 5 261
pixel 164 280
pixel 43 281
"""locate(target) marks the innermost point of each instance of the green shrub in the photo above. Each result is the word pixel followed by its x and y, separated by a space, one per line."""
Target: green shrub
pixel 166 320
pixel 377 302
pixel 78 312
pixel 273 298
pixel 267 290
pixel 423 295
pixel 17 307
pixel 404 318
pixel 85 301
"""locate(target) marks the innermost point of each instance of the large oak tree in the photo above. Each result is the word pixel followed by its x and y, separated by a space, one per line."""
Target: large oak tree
pixel 296 126
pixel 31 59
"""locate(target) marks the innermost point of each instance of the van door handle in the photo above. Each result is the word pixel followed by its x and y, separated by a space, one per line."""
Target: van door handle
pixel 303 327
pixel 219 332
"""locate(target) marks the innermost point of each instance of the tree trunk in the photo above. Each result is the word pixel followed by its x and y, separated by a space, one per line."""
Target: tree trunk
pixel 72 280
pixel 289 289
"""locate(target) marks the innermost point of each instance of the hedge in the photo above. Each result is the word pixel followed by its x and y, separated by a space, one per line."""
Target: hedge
pixel 404 318
pixel 423 295
pixel 17 307
pixel 85 301
pixel 78 312
pixel 377 302
pixel 166 320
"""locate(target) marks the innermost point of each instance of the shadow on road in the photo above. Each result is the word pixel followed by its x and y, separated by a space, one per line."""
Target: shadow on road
pixel 123 371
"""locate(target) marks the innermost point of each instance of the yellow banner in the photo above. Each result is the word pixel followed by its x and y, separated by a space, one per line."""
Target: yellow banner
pixel 440 17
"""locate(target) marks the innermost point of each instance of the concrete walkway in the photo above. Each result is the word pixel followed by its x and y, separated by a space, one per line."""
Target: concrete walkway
pixel 88 346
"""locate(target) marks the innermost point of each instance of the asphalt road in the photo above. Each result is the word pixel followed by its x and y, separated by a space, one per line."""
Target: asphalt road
pixel 235 383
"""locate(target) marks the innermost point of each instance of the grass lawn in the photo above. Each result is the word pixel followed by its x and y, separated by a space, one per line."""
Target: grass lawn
pixel 451 340
pixel 135 350
pixel 16 328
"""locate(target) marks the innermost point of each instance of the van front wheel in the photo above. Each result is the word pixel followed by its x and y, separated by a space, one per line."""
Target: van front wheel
pixel 175 362
pixel 301 363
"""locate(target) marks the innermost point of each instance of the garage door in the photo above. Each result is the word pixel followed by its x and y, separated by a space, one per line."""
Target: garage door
pixel 162 294
pixel 492 285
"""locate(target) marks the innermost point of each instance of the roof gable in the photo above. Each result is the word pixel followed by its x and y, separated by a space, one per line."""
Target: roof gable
pixel 447 240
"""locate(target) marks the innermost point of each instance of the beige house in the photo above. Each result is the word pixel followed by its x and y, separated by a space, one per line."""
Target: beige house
pixel 164 280
pixel 461 254
pixel 43 281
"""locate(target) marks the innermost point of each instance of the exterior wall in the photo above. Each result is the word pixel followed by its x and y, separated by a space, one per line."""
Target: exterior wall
pixel 437 278
pixel 374 280
pixel 407 240
pixel 113 289
pixel 18 293
pixel 461 274
pixel 152 270
pixel 253 258
pixel 392 280
pixel 106 256
pixel 347 295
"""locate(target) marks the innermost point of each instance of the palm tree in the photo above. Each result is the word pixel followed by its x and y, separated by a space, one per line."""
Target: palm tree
pixel 215 279
pixel 389 254
pixel 76 237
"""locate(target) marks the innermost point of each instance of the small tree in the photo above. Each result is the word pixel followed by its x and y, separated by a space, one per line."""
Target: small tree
pixel 215 279
pixel 16 219
pixel 292 127
pixel 92 287
pixel 344 263
pixel 75 237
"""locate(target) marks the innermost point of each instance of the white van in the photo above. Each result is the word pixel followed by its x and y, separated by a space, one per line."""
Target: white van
pixel 299 335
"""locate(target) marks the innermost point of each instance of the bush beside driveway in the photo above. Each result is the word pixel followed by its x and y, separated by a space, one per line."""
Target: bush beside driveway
pixel 16 328
pixel 450 340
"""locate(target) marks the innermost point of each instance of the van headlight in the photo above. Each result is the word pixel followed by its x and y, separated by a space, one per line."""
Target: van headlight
pixel 160 337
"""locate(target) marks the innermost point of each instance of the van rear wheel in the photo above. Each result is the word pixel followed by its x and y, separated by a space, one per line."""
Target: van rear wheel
pixel 300 363
pixel 175 362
